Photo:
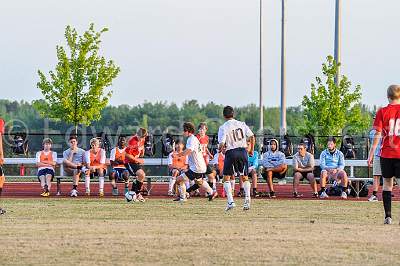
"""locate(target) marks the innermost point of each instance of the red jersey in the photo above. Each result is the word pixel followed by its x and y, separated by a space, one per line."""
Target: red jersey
pixel 204 146
pixel 387 122
pixel 1 126
pixel 135 146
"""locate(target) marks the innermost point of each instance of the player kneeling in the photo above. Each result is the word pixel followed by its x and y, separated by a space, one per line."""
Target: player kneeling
pixel 177 165
pixel 96 165
pixel 117 161
pixel 197 165
pixel 46 160
pixel 134 163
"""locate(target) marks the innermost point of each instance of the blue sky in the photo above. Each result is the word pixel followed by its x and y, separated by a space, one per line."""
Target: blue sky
pixel 174 50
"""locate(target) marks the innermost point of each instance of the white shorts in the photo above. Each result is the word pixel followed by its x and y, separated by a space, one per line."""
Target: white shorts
pixel 376 167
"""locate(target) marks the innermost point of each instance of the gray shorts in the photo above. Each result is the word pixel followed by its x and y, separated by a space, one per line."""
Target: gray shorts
pixel 376 167
pixel 72 172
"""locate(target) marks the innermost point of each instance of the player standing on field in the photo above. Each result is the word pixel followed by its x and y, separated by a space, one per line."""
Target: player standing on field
pixel 233 134
pixel 387 126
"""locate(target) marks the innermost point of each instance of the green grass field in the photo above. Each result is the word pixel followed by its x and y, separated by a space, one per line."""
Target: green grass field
pixel 159 231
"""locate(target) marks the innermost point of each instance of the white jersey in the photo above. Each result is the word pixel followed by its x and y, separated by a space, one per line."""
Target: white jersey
pixel 195 159
pixel 234 134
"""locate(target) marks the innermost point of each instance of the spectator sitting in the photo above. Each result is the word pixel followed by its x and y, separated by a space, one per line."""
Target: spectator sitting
pixel 274 166
pixel 332 165
pixel 177 165
pixel 303 168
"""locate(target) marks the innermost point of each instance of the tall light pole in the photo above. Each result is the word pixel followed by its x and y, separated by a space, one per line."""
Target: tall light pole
pixel 338 33
pixel 283 71
pixel 260 75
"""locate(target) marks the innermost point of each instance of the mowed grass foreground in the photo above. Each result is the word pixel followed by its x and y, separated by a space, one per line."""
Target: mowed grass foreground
pixel 159 231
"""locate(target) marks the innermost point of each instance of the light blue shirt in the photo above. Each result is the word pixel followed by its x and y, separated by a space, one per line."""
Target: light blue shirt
pixel 332 161
pixel 273 159
pixel 253 160
pixel 378 148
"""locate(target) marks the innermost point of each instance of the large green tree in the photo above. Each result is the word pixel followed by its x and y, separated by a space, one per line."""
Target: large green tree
pixel 75 90
pixel 334 109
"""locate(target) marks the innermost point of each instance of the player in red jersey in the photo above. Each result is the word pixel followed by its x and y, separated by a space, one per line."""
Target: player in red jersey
pixel 133 153
pixel 204 141
pixel 387 126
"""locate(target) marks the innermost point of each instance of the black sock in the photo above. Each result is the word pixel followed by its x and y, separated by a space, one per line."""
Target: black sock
pixel 387 203
pixel 1 190
pixel 241 190
pixel 46 188
pixel 374 193
pixel 210 184
pixel 192 188
pixel 133 186
pixel 343 189
pixel 138 186
pixel 323 189
pixel 254 191
pixel 126 185
pixel 74 187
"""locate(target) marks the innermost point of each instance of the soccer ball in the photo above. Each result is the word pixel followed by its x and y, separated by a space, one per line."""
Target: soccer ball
pixel 130 196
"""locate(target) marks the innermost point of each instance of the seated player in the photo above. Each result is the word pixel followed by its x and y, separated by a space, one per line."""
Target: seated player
pixel 303 168
pixel 217 166
pixel 95 165
pixel 332 169
pixel 46 160
pixel 119 170
pixel 2 178
pixel 134 162
pixel 197 165
pixel 253 167
pixel 74 159
pixel 274 166
pixel 176 165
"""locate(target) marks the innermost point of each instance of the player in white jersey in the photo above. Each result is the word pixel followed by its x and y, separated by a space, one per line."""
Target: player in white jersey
pixel 197 165
pixel 233 134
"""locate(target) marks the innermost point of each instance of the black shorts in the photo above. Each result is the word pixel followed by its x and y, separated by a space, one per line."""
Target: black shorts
pixel 390 167
pixel 96 174
pixel 192 175
pixel 133 168
pixel 236 162
pixel 44 172
pixel 209 169
pixel 274 175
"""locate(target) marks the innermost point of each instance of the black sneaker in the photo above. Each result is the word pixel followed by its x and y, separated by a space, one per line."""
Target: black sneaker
pixel 213 196
pixel 315 195
pixel 297 195
pixel 240 194
pixel 272 194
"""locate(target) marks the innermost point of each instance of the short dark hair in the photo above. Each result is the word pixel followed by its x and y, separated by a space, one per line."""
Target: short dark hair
pixel 188 127
pixel 302 144
pixel 73 137
pixel 228 111
pixel 332 139
pixel 203 124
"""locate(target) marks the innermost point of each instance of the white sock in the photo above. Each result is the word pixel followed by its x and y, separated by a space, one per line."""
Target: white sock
pixel 233 185
pixel 207 187
pixel 101 183
pixel 182 194
pixel 172 181
pixel 228 191
pixel 214 187
pixel 246 187
pixel 87 183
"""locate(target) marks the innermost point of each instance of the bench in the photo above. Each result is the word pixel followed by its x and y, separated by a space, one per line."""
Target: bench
pixel 164 162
